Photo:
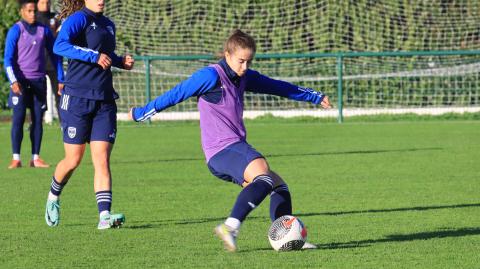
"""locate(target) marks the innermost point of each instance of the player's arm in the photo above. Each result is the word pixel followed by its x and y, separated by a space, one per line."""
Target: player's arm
pixel 55 59
pixel 199 83
pixel 71 28
pixel 10 48
pixel 259 83
pixel 124 62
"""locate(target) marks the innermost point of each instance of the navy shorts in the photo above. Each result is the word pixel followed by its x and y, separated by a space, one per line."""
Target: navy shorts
pixel 230 163
pixel 84 120
pixel 34 95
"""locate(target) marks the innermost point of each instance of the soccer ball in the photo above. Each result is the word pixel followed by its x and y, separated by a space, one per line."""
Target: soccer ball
pixel 287 233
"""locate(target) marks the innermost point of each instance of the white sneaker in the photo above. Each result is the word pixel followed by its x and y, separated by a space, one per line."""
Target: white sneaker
pixel 309 246
pixel 228 236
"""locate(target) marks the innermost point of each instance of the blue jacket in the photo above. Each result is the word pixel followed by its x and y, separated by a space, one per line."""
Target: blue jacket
pixel 82 37
pixel 205 83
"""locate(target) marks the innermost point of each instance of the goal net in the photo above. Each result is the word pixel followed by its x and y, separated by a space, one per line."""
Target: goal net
pixel 381 83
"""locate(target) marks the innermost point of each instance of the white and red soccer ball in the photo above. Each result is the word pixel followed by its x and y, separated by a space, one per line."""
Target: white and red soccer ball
pixel 287 233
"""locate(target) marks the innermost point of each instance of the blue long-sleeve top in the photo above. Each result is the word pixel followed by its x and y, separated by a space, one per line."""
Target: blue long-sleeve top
pixel 205 84
pixel 11 53
pixel 82 38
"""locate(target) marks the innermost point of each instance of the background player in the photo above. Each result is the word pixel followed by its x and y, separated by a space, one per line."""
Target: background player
pixel 25 47
pixel 50 19
pixel 220 88
pixel 88 109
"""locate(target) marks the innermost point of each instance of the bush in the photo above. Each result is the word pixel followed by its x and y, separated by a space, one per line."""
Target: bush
pixel 9 15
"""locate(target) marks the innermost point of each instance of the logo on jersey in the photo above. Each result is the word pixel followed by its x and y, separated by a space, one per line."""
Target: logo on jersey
pixel 94 26
pixel 72 132
pixel 14 100
pixel 110 30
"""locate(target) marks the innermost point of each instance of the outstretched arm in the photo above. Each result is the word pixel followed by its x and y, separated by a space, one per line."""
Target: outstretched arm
pixel 199 83
pixel 259 83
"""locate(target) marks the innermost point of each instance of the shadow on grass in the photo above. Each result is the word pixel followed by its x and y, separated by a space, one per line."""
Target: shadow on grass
pixel 403 238
pixel 400 209
pixel 391 239
pixel 166 222
pixel 169 222
pixel 280 155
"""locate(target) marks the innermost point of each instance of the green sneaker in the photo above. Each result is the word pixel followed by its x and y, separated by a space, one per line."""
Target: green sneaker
pixel 52 213
pixel 228 236
pixel 111 221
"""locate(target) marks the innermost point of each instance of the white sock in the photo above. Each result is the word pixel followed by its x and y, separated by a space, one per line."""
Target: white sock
pixel 233 223
pixel 16 157
pixel 104 213
pixel 52 197
pixel 35 157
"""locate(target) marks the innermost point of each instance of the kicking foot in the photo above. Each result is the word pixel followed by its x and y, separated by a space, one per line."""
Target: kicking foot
pixel 228 236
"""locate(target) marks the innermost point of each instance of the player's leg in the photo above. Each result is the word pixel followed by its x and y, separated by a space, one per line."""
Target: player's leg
pixel 18 103
pixel 76 126
pixel 243 165
pixel 281 202
pixel 63 172
pixel 39 107
pixel 280 198
pixel 101 145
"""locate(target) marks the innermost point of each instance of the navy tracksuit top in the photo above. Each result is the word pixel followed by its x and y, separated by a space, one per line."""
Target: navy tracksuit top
pixel 82 37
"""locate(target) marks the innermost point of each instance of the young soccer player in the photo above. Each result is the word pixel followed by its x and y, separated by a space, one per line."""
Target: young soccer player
pixel 25 62
pixel 220 88
pixel 88 109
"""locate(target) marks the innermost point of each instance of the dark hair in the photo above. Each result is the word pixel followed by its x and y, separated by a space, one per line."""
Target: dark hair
pixel 239 39
pixel 22 3
pixel 70 6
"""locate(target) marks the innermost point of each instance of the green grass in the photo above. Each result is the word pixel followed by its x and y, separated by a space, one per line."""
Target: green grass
pixel 391 194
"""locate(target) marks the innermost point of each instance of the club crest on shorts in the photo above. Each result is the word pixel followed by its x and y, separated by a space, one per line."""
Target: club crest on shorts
pixel 14 100
pixel 72 132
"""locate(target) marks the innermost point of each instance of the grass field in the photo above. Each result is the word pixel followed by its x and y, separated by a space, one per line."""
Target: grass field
pixel 403 194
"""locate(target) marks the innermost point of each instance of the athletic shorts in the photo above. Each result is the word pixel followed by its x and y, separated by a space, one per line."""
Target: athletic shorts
pixel 34 95
pixel 84 120
pixel 230 163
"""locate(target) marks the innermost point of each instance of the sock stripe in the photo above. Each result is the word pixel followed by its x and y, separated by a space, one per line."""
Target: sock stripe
pixel 56 188
pixel 266 179
pixel 104 200
pixel 280 188
pixel 103 195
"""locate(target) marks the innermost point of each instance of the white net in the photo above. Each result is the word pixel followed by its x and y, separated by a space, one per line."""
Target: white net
pixel 150 27
pixel 158 27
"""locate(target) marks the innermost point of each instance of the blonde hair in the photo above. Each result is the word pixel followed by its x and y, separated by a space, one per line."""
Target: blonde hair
pixel 239 39
pixel 70 6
